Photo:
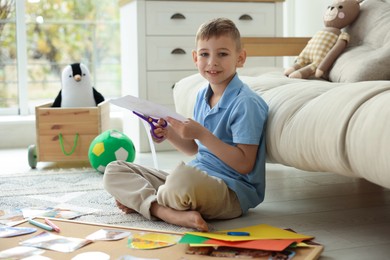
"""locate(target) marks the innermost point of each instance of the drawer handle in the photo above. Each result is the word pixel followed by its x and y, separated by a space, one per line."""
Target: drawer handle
pixel 178 16
pixel 76 138
pixel 245 17
pixel 178 51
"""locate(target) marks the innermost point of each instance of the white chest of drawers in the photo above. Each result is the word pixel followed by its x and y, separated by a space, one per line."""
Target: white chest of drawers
pixel 157 38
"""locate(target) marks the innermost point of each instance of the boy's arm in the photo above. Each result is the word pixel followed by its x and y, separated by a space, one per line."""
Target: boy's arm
pixel 241 158
pixel 187 146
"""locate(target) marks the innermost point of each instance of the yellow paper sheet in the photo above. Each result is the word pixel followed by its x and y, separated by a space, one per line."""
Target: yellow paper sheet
pixel 262 231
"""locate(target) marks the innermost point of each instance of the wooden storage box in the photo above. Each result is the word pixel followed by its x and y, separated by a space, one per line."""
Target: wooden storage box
pixel 77 127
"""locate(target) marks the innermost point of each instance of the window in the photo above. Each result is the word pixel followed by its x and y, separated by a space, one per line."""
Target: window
pixel 38 38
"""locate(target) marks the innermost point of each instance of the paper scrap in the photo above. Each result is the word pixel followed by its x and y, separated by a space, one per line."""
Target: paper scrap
pixel 20 252
pixel 108 234
pixel 11 217
pixel 15 231
pixel 92 255
pixel 53 242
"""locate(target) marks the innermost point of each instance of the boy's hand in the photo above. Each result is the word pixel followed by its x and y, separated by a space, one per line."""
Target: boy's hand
pixel 187 130
pixel 160 131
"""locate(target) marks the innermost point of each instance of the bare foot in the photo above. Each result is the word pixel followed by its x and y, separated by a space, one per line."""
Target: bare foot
pixel 124 208
pixel 190 219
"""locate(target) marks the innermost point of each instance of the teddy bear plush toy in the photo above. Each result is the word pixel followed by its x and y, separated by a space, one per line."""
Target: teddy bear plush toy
pixel 326 45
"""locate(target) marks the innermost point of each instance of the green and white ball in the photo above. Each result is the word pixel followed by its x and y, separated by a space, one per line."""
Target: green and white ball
pixel 110 146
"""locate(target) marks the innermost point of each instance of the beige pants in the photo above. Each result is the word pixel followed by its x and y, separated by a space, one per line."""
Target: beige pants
pixel 186 188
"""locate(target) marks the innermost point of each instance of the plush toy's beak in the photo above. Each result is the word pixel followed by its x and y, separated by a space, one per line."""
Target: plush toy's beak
pixel 77 77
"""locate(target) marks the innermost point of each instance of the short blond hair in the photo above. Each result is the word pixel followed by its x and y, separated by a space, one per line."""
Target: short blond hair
pixel 219 27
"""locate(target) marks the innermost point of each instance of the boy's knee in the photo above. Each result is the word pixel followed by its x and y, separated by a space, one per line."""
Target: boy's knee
pixel 109 177
pixel 180 188
pixel 107 181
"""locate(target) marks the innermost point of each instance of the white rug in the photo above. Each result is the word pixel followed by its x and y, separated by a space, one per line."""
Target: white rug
pixel 78 189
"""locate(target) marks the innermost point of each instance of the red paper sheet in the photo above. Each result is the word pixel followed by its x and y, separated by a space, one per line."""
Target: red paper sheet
pixel 262 244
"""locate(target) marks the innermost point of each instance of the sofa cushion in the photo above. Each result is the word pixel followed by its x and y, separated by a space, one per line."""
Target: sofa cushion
pixel 316 125
pixel 367 56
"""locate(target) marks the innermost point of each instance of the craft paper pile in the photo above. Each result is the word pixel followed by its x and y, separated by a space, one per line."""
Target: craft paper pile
pixel 261 237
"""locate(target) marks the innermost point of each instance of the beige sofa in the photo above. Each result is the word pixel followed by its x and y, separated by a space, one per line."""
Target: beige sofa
pixel 340 125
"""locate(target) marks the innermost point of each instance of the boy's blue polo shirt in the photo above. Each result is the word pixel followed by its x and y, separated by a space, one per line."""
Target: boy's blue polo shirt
pixel 239 118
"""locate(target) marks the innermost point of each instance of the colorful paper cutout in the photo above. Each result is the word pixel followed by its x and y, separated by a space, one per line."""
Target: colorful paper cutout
pixel 150 240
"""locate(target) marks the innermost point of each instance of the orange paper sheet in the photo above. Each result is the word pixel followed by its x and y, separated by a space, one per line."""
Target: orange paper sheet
pixel 262 244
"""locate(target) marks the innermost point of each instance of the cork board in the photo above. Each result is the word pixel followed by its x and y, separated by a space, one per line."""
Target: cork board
pixel 119 248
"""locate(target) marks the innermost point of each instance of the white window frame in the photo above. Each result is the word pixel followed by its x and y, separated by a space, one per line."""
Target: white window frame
pixel 21 47
pixel 23 108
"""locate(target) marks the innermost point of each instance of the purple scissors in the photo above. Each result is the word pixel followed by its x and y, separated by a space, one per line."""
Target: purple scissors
pixel 152 122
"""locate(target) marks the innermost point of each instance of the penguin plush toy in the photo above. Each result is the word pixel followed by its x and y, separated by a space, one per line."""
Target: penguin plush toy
pixel 77 90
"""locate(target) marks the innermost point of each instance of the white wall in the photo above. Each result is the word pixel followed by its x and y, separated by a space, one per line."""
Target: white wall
pixel 303 18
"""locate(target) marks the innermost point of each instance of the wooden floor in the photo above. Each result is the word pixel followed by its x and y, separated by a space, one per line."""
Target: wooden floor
pixel 350 217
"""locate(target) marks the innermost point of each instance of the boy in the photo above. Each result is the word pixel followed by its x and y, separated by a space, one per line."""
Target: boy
pixel 227 177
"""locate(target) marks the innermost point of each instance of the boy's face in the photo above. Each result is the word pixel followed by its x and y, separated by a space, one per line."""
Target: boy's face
pixel 217 59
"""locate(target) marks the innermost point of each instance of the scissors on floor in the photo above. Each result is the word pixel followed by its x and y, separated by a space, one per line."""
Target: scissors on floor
pixel 152 122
